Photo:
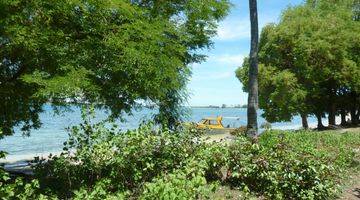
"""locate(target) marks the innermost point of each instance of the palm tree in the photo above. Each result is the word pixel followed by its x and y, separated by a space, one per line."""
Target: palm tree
pixel 253 72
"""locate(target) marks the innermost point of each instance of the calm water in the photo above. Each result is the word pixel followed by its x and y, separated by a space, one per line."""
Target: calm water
pixel 50 137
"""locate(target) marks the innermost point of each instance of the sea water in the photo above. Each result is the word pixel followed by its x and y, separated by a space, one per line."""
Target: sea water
pixel 52 134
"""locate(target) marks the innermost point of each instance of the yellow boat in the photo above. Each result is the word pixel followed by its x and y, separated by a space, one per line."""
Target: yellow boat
pixel 210 123
pixel 213 125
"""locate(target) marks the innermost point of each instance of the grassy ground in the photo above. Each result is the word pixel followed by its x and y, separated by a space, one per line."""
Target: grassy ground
pixel 351 188
pixel 351 185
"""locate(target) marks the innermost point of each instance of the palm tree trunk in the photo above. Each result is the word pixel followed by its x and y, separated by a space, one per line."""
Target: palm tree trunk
pixel 253 72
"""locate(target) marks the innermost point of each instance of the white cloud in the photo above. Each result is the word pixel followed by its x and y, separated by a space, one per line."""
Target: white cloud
pixel 227 62
pixel 234 29
pixel 195 65
pixel 213 76
pixel 228 59
pixel 224 60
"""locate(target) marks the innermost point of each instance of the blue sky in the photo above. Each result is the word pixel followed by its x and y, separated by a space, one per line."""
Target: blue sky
pixel 213 82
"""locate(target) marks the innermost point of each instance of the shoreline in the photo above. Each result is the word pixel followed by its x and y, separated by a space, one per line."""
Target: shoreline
pixel 24 159
pixel 21 163
pixel 21 159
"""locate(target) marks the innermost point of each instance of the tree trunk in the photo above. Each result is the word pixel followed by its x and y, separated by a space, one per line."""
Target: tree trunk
pixel 354 117
pixel 319 119
pixel 354 108
pixel 331 116
pixel 343 117
pixel 304 121
pixel 253 72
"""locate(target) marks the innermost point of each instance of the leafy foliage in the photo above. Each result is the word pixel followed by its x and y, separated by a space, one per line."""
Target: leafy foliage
pixel 19 189
pixel 99 191
pixel 291 165
pixel 186 183
pixel 309 63
pixel 113 53
pixel 102 162
pixel 241 131
pixel 126 160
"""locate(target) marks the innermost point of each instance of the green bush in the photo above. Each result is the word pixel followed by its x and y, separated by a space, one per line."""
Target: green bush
pixel 19 189
pixel 330 147
pixel 125 159
pixel 241 131
pixel 186 183
pixel 291 165
pixel 101 162
pixel 197 179
pixel 100 192
pixel 215 155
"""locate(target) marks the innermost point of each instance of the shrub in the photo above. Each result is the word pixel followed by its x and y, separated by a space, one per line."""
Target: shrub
pixel 101 162
pixel 99 191
pixel 241 131
pixel 329 147
pixel 215 155
pixel 186 183
pixel 279 172
pixel 125 159
pixel 19 189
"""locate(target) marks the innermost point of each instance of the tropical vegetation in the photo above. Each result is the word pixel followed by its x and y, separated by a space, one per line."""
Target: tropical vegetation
pixel 119 55
pixel 310 63
pixel 101 162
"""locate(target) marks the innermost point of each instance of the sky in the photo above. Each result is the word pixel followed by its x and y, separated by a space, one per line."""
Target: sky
pixel 213 82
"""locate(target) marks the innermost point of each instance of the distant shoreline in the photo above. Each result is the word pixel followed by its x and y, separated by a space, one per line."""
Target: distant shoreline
pixel 23 159
pixel 217 107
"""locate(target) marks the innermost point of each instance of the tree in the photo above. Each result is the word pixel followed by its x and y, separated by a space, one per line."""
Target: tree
pixel 115 53
pixel 309 63
pixel 252 125
pixel 281 97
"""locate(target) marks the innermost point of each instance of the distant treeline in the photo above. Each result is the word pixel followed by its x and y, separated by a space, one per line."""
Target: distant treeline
pixel 222 106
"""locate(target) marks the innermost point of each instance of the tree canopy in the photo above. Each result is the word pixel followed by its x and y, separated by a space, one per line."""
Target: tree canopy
pixel 115 53
pixel 309 62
